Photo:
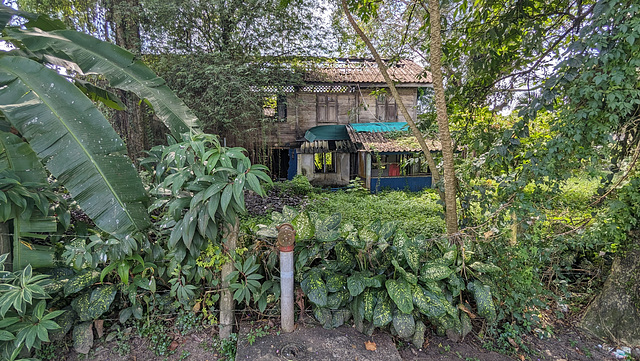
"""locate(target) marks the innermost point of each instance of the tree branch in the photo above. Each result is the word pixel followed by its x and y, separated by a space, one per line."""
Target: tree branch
pixel 383 69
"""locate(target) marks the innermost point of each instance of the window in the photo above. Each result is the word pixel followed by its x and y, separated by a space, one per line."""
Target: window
pixel 386 110
pixel 275 107
pixel 327 108
pixel 400 164
pixel 324 162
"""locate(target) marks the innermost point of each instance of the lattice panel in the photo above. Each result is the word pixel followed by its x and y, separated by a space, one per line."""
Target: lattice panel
pixel 327 89
pixel 273 89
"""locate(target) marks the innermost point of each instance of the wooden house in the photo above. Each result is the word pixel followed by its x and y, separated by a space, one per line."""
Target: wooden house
pixel 339 92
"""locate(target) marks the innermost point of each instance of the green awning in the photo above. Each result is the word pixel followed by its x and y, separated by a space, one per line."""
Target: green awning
pixel 327 132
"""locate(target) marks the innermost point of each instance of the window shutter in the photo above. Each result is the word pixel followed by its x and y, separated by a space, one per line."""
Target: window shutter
pixel 380 107
pixel 282 107
pixel 332 108
pixel 392 112
pixel 321 108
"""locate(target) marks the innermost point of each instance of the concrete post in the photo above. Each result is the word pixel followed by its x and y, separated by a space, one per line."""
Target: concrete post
pixel 286 238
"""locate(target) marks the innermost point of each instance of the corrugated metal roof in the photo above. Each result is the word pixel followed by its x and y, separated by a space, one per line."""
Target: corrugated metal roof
pixel 380 141
pixel 380 127
pixel 366 71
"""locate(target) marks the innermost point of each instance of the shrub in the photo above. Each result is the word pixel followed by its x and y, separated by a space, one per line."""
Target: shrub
pixel 381 277
pixel 299 185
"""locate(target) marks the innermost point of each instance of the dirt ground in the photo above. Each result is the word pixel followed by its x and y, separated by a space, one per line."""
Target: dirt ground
pixel 566 344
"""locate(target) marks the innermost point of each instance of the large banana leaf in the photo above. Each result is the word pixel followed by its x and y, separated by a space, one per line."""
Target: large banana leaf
pixel 120 67
pixel 76 143
pixel 17 156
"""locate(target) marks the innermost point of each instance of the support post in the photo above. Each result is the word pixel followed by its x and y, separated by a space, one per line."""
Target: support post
pixel 286 239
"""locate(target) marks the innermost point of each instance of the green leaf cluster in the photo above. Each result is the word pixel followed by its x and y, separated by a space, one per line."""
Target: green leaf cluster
pixel 380 277
pixel 199 188
pixel 25 321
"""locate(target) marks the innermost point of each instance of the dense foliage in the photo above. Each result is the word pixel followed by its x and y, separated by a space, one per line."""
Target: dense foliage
pixel 419 214
pixel 547 197
pixel 379 276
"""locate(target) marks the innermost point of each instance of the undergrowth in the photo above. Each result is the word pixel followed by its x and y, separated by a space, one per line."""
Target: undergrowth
pixel 417 213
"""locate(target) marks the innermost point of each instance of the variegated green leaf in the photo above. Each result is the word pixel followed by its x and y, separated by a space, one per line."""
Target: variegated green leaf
pixel 449 257
pixel 418 336
pixel 83 337
pixel 404 324
pixel 428 303
pixel 314 287
pixel 433 271
pixel 485 267
pixel 289 214
pixel 90 306
pixel 409 277
pixel 355 284
pixel 369 300
pixel 81 281
pixel 410 249
pixel 323 315
pixel 346 229
pixel 368 236
pixel 338 299
pixel 303 226
pixel 335 281
pixel 382 313
pixel 328 229
pixel 344 256
pixel 357 310
pixel 354 241
pixel 484 302
pixel 400 293
pixel 387 231
pixel 374 282
pixel 467 327
pixel 455 284
pixel 340 317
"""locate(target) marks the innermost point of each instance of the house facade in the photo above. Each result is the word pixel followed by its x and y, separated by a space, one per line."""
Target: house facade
pixel 312 135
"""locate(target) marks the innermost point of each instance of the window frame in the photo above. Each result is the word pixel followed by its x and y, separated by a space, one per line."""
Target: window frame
pixel 386 109
pixel 327 108
pixel 277 111
pixel 325 167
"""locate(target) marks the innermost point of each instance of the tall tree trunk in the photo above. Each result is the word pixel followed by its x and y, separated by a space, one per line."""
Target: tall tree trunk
pixel 615 312
pixel 451 214
pixel 449 196
pixel 129 123
pixel 385 74
pixel 227 307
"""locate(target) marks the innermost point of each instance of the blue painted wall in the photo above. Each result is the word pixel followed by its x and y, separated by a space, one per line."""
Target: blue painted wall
pixel 414 183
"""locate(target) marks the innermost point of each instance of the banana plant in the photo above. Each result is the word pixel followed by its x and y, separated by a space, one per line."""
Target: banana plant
pixel 65 129
pixel 26 197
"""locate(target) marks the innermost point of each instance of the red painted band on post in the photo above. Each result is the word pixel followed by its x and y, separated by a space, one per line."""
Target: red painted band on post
pixel 286 248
